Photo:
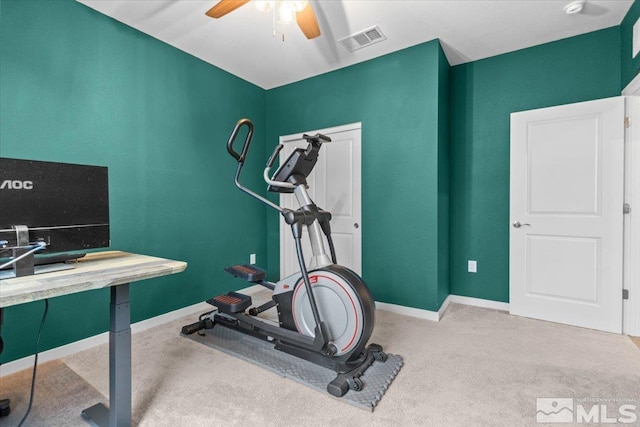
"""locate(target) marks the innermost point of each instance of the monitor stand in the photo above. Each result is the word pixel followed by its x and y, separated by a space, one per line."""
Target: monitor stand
pixel 38 269
pixel 46 264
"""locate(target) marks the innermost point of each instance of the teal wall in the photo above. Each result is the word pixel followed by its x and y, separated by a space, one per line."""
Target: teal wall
pixel 483 94
pixel 78 87
pixel 398 100
pixel 630 66
pixel 444 171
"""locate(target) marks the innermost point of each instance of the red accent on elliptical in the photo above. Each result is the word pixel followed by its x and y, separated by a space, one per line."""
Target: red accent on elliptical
pixel 314 280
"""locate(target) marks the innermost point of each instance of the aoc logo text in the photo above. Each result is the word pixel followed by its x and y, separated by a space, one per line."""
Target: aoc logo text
pixel 15 184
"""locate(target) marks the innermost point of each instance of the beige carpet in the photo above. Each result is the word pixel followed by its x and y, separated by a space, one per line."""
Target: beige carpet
pixel 60 396
pixel 476 367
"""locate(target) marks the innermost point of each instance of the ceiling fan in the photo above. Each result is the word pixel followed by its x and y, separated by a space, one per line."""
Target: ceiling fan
pixel 304 15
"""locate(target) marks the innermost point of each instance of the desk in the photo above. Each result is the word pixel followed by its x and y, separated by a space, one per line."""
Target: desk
pixel 95 271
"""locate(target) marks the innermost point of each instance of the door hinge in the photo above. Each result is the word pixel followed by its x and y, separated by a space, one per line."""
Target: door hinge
pixel 627 122
pixel 625 294
pixel 626 208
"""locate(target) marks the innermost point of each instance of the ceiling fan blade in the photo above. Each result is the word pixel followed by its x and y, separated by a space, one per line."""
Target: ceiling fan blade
pixel 225 6
pixel 307 22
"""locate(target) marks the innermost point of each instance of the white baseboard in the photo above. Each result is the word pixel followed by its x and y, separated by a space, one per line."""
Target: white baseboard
pixel 143 325
pixel 408 311
pixel 437 315
pixel 478 302
pixel 103 338
pixel 444 307
pixel 54 353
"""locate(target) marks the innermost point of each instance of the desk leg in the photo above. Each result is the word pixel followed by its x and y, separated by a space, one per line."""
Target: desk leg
pixel 119 412
pixel 5 404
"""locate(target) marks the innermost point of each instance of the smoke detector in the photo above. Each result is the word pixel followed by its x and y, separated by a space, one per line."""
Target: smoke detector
pixel 363 38
pixel 574 7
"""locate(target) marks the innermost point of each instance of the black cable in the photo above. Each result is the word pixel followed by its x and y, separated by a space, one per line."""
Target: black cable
pixel 35 362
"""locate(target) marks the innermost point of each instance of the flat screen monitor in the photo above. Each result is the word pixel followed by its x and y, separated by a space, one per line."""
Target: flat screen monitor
pixel 64 207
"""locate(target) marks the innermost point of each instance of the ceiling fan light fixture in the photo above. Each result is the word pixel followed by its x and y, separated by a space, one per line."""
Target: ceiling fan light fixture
pixel 298 5
pixel 286 13
pixel 574 7
pixel 264 5
pixel 282 11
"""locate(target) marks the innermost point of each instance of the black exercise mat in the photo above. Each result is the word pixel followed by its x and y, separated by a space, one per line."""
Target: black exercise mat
pixel 376 379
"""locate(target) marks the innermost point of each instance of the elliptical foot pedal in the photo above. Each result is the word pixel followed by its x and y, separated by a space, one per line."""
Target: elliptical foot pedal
pixel 248 272
pixel 231 302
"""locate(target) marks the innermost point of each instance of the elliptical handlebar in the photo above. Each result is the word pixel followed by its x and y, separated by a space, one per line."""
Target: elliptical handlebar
pixel 247 141
pixel 274 155
pixel 267 170
pixel 265 176
pixel 241 158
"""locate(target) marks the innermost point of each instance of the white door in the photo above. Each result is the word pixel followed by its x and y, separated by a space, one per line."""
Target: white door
pixel 334 185
pixel 567 188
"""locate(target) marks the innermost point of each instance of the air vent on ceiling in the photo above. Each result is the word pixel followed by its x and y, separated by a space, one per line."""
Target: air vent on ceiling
pixel 363 38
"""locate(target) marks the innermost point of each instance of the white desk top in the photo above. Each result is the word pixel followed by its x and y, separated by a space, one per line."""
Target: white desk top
pixel 94 271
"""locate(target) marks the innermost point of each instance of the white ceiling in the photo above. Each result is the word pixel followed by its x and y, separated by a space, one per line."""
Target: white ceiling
pixel 242 42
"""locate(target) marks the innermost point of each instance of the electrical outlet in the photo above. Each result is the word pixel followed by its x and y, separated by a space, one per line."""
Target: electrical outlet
pixel 252 259
pixel 472 266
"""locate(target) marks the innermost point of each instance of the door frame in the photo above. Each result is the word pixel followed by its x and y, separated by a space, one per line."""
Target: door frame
pixel 609 302
pixel 631 306
pixel 631 221
pixel 284 230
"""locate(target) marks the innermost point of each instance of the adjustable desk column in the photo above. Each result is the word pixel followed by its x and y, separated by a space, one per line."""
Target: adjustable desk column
pixel 119 412
pixel 99 270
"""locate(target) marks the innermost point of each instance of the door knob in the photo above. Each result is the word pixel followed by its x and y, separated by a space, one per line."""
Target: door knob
pixel 356 225
pixel 517 224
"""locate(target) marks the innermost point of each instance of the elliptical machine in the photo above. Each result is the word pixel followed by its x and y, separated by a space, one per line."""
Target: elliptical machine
pixel 326 313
